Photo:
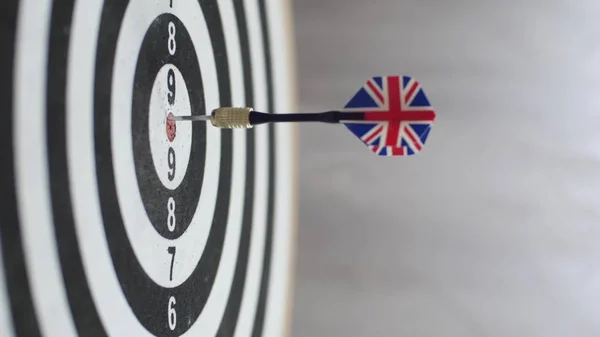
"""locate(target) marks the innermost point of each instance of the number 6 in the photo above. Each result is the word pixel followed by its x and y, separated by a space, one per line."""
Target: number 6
pixel 172 314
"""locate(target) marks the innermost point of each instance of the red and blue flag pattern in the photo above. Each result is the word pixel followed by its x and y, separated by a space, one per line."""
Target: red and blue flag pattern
pixel 397 115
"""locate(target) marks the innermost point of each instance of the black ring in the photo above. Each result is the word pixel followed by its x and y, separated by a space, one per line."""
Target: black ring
pixel 232 309
pixel 148 300
pixel 152 57
pixel 21 304
pixel 85 315
pixel 259 316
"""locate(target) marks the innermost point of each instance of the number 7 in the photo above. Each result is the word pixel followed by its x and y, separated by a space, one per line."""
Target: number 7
pixel 171 250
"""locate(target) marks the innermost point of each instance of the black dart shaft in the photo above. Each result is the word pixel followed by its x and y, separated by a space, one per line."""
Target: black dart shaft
pixel 257 117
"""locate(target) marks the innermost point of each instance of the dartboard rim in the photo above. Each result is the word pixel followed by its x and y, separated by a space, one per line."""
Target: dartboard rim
pixel 287 13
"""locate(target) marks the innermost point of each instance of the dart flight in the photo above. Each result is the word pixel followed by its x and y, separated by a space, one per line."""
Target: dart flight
pixel 396 115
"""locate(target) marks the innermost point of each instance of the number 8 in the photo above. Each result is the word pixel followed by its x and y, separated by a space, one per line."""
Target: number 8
pixel 171 221
pixel 171 43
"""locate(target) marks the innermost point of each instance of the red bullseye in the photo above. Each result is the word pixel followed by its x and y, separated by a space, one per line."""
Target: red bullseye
pixel 171 128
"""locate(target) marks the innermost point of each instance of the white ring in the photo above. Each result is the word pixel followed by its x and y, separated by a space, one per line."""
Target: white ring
pixel 209 321
pixel 157 128
pixel 148 245
pixel 114 311
pixel 31 171
pixel 251 291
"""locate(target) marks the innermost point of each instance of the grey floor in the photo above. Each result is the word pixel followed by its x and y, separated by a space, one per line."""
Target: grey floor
pixel 494 229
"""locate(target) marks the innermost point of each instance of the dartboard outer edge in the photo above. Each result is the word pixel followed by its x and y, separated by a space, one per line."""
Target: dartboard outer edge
pixel 288 19
pixel 280 299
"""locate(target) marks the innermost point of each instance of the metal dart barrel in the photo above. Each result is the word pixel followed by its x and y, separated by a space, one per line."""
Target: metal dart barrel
pixel 224 118
pixel 231 118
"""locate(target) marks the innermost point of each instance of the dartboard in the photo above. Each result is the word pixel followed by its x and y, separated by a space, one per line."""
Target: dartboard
pixel 116 221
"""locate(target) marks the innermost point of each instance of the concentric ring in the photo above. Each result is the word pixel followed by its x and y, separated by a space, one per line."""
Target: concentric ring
pixel 150 247
pixel 152 57
pixel 17 277
pixel 112 293
pixel 149 301
pixel 170 142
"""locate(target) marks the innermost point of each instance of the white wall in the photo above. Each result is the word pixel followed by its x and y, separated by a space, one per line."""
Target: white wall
pixel 494 229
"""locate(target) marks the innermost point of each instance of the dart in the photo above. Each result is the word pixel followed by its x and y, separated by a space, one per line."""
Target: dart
pixel 391 115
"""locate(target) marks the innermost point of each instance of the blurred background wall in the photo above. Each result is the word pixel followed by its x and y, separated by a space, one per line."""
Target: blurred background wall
pixel 492 230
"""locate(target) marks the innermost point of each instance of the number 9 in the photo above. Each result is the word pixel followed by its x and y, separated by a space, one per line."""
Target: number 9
pixel 171 161
pixel 171 86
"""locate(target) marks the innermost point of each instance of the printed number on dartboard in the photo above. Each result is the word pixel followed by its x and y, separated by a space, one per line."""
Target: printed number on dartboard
pixel 171 218
pixel 171 92
pixel 172 313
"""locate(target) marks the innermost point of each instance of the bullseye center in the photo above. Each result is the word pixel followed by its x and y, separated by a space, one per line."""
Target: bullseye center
pixel 170 141
pixel 171 128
